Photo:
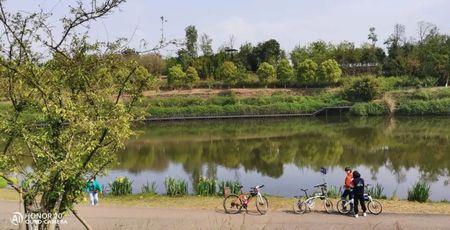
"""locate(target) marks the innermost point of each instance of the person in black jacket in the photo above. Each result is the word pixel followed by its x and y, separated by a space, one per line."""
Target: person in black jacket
pixel 358 193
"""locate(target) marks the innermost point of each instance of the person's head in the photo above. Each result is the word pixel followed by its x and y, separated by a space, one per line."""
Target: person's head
pixel 348 170
pixel 356 174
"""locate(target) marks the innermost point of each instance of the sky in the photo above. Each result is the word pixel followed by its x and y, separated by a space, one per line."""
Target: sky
pixel 291 22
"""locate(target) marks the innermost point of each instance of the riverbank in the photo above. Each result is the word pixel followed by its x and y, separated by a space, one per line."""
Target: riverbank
pixel 281 204
pixel 261 102
pixel 422 101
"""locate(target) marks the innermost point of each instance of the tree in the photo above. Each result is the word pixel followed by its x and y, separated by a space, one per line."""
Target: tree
pixel 191 76
pixel 175 76
pixel 329 72
pixel 154 63
pixel 247 58
pixel 373 38
pixel 307 72
pixel 228 73
pixel 266 73
pixel 191 41
pixel 74 91
pixel 268 51
pixel 434 57
pixel 285 72
pixel 206 45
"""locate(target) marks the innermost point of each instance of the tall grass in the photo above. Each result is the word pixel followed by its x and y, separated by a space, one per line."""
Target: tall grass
pixel 176 187
pixel 121 186
pixel 149 188
pixel 206 187
pixel 234 187
pixel 334 192
pixel 419 192
pixel 377 192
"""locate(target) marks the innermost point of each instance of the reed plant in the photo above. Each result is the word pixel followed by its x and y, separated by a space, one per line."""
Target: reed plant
pixel 234 187
pixel 419 192
pixel 377 192
pixel 121 186
pixel 149 188
pixel 176 187
pixel 334 192
pixel 207 187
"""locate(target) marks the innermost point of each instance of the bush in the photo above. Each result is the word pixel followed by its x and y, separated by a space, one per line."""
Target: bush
pixel 266 73
pixel 175 187
pixel 364 89
pixel 191 77
pixel 368 109
pixel 149 188
pixel 121 186
pixel 175 76
pixel 206 187
pixel 233 185
pixel 329 72
pixel 419 192
pixel 307 72
pixel 228 73
pixel 285 73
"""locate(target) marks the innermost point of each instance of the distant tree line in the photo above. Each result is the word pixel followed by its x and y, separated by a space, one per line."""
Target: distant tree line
pixel 319 63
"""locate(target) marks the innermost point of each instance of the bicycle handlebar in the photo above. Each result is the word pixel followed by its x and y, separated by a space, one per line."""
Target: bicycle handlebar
pixel 320 185
pixel 257 187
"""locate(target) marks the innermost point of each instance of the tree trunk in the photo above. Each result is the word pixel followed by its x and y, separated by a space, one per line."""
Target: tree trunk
pixel 81 219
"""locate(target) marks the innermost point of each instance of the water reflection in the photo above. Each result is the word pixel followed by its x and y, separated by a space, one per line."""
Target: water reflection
pixel 382 147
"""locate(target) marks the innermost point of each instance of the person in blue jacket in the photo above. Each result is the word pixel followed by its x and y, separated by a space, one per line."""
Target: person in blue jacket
pixel 93 188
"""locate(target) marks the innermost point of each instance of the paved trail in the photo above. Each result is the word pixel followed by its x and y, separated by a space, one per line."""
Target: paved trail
pixel 123 217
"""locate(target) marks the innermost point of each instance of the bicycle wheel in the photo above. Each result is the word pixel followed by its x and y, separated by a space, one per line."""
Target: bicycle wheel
pixel 262 204
pixel 298 206
pixel 328 205
pixel 375 207
pixel 343 207
pixel 232 204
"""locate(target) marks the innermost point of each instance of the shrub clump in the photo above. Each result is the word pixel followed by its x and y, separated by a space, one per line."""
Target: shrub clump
pixel 364 89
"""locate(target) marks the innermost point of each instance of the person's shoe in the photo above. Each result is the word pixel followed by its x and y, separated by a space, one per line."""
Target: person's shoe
pixel 364 214
pixel 356 215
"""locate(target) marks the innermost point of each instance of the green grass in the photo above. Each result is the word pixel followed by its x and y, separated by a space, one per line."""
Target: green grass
pixel 419 192
pixel 422 107
pixel 121 186
pixel 233 105
pixel 176 187
pixel 368 109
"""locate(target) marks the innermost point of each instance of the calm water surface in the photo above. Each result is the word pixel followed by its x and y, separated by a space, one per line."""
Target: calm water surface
pixel 287 154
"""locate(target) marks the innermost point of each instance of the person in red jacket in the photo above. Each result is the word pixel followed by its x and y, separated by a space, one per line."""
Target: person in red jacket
pixel 347 186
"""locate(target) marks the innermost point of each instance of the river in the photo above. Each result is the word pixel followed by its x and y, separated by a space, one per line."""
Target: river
pixel 287 154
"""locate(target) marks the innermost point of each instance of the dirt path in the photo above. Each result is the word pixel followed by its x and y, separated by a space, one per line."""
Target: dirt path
pixel 124 217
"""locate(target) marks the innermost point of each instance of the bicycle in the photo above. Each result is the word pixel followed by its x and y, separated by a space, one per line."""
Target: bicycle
pixel 234 203
pixel 373 205
pixel 300 206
